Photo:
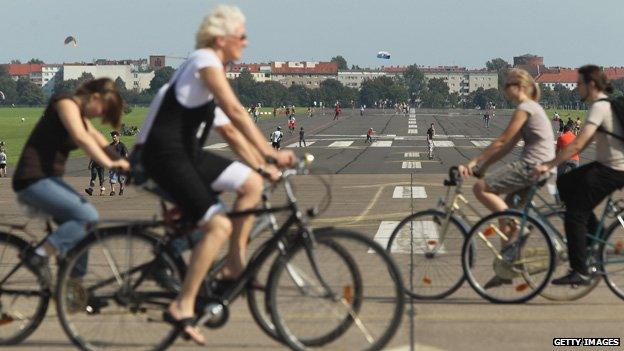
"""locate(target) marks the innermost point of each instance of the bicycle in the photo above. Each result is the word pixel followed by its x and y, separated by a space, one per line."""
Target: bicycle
pixel 430 243
pixel 25 289
pixel 516 267
pixel 138 287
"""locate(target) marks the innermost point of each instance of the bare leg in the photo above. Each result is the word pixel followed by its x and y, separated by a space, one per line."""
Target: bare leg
pixel 493 202
pixel 217 230
pixel 248 196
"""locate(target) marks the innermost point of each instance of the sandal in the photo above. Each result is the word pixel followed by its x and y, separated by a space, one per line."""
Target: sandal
pixel 181 324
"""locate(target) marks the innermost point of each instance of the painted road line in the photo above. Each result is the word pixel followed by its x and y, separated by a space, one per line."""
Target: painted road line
pixel 480 143
pixel 399 138
pixel 412 131
pixel 216 146
pixel 412 154
pixel 382 143
pixel 423 233
pixel 308 143
pixel 406 192
pixel 411 164
pixel 443 143
pixel 341 143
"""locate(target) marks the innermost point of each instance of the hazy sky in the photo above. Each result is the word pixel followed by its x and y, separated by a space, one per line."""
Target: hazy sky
pixel 440 32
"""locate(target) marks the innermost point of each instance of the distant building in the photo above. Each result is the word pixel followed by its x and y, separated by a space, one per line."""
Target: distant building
pixel 355 78
pixel 568 77
pixel 133 73
pixel 157 62
pixel 462 80
pixel 31 71
pixel 261 72
pixel 50 74
pixel 307 73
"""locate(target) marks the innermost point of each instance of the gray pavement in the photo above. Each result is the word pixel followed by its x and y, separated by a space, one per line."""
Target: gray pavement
pixel 367 188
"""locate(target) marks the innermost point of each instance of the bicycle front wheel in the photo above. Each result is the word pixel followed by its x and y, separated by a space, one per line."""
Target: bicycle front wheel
pixel 505 261
pixel 24 296
pixel 114 288
pixel 427 246
pixel 345 293
pixel 612 259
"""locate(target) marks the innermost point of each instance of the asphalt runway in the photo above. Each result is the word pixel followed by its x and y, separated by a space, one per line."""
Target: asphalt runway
pixel 371 190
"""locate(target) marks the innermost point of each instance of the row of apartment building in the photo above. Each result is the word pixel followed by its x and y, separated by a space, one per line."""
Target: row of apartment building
pixel 311 73
pixel 136 74
pixel 551 76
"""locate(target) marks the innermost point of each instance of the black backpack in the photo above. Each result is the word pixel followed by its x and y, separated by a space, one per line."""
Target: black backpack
pixel 617 106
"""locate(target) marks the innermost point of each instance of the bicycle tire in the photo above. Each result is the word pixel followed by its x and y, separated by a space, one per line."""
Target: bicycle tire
pixel 618 249
pixel 455 283
pixel 333 237
pixel 561 292
pixel 470 257
pixel 16 246
pixel 173 262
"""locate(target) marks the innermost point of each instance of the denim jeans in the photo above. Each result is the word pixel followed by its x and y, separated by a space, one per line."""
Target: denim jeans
pixel 69 210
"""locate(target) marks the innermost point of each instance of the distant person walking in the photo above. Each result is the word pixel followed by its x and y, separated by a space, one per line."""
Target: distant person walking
pixel 369 135
pixel 561 126
pixel 97 171
pixel 302 138
pixel 114 176
pixel 276 138
pixel 486 119
pixel 336 111
pixel 3 163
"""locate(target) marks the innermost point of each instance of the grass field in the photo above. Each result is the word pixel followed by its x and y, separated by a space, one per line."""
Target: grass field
pixel 14 132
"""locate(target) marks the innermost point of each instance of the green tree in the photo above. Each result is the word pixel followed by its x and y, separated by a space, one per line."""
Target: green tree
pixel 85 77
pixel 501 67
pixel 35 61
pixel 342 63
pixel 4 71
pixel 618 87
pixel 299 95
pixel 415 81
pixel 16 62
pixel 271 93
pixel 436 95
pixel 8 87
pixel 246 88
pixel 28 93
pixel 65 86
pixel 161 77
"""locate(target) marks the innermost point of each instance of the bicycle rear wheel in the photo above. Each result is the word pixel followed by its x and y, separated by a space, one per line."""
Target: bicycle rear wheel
pixel 428 247
pixel 563 292
pixel 117 299
pixel 24 297
pixel 358 305
pixel 508 271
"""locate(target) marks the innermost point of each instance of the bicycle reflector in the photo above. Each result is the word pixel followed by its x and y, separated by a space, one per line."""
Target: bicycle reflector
pixel 426 280
pixel 489 231
pixel 522 287
pixel 347 293
pixel 618 247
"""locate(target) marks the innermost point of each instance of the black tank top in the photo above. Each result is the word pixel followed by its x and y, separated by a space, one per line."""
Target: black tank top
pixel 178 129
pixel 46 150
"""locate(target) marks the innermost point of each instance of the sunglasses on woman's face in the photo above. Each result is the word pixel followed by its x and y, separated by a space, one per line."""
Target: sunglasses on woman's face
pixel 507 85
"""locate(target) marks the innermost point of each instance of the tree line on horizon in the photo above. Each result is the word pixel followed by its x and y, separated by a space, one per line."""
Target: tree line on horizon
pixel 412 87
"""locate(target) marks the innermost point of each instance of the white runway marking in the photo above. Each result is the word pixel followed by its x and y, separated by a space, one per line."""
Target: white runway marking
pixel 480 143
pixel 406 192
pixel 216 146
pixel 382 143
pixel 341 143
pixel 411 164
pixel 308 143
pixel 412 154
pixel 412 131
pixel 443 143
pixel 423 234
